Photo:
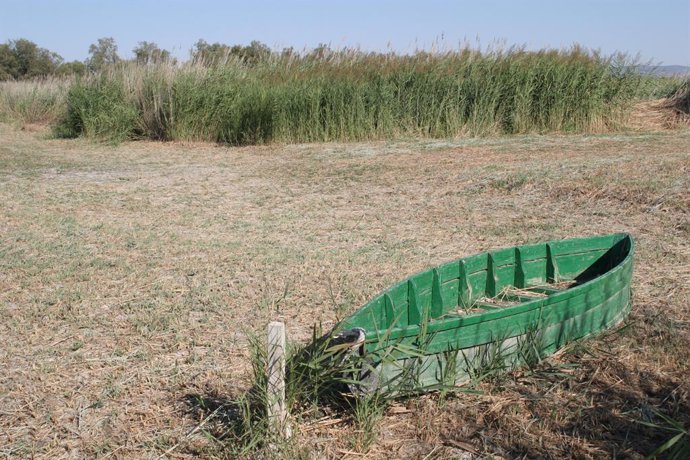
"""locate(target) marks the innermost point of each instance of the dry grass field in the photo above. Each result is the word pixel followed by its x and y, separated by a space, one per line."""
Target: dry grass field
pixel 131 277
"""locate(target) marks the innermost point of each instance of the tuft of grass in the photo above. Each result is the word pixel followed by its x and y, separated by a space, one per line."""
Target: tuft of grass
pixel 319 372
pixel 677 446
pixel 321 376
pixel 367 412
pixel 530 347
pixel 488 362
pixel 317 375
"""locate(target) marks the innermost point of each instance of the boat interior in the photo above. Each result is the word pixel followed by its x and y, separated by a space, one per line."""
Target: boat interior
pixel 494 280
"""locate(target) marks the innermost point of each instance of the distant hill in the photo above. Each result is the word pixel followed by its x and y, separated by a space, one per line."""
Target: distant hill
pixel 665 70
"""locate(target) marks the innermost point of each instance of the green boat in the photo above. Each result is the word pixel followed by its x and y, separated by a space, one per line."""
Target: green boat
pixel 495 310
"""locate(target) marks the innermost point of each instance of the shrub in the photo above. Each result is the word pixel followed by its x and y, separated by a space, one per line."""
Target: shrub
pixel 98 108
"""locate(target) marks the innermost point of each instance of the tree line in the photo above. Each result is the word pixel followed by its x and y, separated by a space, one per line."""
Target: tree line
pixel 23 59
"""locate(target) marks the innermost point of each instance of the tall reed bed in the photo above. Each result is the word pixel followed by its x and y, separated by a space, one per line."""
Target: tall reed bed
pixel 349 95
pixel 653 87
pixel 35 101
pixel 680 100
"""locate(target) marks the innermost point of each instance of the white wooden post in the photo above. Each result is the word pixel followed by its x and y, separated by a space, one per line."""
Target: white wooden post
pixel 277 412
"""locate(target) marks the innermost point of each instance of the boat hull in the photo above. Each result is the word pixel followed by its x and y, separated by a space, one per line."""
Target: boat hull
pixel 444 332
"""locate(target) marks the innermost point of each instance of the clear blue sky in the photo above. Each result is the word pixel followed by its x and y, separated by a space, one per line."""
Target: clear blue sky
pixel 657 29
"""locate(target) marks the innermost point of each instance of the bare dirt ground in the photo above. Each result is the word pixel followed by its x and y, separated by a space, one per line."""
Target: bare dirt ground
pixel 130 277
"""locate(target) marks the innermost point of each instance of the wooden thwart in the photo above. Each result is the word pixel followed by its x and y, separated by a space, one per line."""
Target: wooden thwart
pixel 487 305
pixel 545 290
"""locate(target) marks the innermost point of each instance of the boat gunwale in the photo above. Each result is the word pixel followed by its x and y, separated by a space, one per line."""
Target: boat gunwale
pixel 451 322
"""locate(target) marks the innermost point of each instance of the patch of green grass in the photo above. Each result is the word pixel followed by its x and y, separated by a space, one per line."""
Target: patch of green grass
pixel 367 412
pixel 511 182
